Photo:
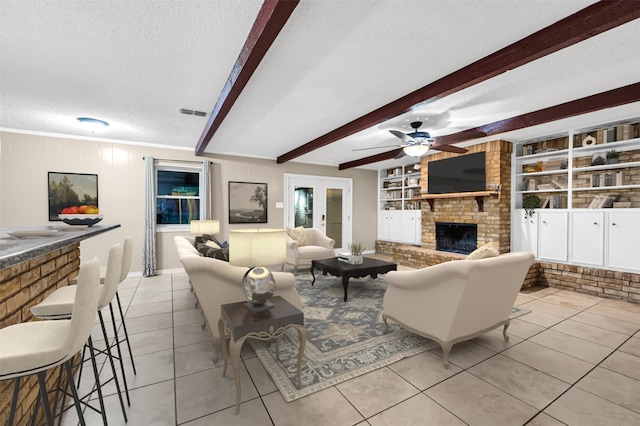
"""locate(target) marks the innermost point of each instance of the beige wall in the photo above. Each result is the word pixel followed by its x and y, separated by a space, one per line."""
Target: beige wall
pixel 25 160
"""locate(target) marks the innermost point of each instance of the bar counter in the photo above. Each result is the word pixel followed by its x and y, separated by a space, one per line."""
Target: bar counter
pixel 16 250
pixel 30 269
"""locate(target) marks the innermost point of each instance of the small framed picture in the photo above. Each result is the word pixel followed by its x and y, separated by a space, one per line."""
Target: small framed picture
pixel 599 158
pixel 247 202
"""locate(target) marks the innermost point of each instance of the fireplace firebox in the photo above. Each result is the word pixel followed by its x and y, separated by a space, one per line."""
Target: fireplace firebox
pixel 456 237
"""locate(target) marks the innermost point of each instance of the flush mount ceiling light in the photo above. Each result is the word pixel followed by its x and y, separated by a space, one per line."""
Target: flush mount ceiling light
pixel 92 124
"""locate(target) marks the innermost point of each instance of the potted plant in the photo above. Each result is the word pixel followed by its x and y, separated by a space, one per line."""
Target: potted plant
pixel 613 156
pixel 356 250
pixel 529 204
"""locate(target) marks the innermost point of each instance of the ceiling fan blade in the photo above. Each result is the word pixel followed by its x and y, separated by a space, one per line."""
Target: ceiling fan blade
pixel 458 137
pixel 377 147
pixel 400 154
pixel 405 138
pixel 449 148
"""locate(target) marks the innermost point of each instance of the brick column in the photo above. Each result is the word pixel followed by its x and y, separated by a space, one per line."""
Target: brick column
pixel 22 286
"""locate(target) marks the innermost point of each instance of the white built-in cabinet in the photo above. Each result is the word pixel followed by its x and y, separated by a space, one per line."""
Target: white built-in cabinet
pixel 399 217
pixel 525 232
pixel 622 238
pixel 587 237
pixel 552 235
pixel 572 175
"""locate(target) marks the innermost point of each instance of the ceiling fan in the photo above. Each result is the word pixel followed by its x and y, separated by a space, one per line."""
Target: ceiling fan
pixel 417 144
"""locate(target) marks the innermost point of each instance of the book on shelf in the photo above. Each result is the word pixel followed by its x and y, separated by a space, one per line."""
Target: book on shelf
pixel 619 179
pixel 559 184
pixel 531 185
pixel 608 179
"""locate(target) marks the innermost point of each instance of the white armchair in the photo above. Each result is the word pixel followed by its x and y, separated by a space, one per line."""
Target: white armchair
pixel 318 246
pixel 456 301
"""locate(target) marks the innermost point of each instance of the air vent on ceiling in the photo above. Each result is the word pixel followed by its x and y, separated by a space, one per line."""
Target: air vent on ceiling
pixel 192 112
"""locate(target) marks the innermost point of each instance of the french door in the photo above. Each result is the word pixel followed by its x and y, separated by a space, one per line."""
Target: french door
pixel 320 202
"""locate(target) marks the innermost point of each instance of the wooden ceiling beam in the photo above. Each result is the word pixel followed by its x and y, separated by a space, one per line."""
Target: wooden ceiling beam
pixel 272 17
pixel 588 22
pixel 612 98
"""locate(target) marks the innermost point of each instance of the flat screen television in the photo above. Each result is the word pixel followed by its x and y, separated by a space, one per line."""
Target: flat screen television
pixel 465 173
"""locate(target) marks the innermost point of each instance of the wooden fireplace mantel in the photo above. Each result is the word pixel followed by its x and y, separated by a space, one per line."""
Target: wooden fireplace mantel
pixel 478 195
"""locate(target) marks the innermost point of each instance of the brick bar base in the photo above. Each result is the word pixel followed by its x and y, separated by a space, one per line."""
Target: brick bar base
pixel 22 286
pixel 597 282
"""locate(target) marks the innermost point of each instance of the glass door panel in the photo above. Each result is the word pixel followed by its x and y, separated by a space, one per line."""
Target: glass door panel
pixel 303 207
pixel 334 215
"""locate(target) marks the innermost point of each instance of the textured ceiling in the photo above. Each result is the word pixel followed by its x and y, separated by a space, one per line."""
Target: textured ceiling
pixel 135 63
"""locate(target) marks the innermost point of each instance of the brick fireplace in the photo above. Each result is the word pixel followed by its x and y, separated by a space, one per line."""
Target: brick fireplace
pixel 490 213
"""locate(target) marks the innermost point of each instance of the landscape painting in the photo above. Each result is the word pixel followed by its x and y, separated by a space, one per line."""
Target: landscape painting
pixel 247 202
pixel 71 189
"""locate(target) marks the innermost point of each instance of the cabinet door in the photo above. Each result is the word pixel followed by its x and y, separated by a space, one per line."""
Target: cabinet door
pixel 525 232
pixel 395 225
pixel 623 234
pixel 383 225
pixel 552 235
pixel 587 237
pixel 410 226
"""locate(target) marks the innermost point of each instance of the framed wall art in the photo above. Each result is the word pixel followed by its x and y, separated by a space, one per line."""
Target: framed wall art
pixel 247 202
pixel 71 189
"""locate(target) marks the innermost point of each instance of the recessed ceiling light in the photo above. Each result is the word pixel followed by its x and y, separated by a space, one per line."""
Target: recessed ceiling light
pixel 92 124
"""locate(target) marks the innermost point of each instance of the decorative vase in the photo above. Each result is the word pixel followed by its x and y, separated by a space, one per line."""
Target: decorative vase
pixel 355 259
pixel 612 161
pixel 258 286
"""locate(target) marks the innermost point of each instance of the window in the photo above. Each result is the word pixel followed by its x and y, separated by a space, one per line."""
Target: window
pixel 179 198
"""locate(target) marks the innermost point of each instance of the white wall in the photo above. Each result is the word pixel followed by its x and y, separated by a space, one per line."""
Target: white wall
pixel 25 160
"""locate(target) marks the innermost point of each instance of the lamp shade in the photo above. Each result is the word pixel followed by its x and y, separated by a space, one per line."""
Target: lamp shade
pixel 257 247
pixel 416 150
pixel 201 227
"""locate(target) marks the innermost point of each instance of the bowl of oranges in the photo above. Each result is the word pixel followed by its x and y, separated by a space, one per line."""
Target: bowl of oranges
pixel 81 215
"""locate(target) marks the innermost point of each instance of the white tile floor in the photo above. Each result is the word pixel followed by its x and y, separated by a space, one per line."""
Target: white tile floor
pixel 575 360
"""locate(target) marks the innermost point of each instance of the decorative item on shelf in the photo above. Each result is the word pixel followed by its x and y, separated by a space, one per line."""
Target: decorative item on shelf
pixel 257 246
pixel 356 250
pixel 530 202
pixel 588 141
pixel 598 158
pixel 613 156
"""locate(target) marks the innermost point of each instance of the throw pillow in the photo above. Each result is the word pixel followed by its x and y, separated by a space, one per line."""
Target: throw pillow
pixel 483 252
pixel 207 237
pixel 216 253
pixel 212 244
pixel 298 235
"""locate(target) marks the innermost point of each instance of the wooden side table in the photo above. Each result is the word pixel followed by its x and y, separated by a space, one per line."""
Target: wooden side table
pixel 242 324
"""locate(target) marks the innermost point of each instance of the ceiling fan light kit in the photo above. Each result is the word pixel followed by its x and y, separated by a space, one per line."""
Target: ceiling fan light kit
pixel 416 150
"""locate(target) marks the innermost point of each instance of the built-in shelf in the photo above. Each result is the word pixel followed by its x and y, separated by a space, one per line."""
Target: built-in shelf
pixel 478 195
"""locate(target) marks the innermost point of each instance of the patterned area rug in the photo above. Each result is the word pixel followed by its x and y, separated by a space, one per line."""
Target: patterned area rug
pixel 344 340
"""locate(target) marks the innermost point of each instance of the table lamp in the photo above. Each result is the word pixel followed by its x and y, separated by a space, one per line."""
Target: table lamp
pixel 204 227
pixel 252 247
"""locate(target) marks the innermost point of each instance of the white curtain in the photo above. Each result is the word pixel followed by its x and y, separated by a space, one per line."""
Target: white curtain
pixel 204 189
pixel 149 260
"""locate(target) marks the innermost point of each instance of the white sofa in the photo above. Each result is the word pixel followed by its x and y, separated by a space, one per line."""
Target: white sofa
pixel 318 246
pixel 216 282
pixel 458 300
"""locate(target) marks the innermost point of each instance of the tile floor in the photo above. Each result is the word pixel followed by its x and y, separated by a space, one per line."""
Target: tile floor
pixel 575 359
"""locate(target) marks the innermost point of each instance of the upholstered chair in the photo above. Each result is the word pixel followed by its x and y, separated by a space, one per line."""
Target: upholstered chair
pixel 305 248
pixel 458 300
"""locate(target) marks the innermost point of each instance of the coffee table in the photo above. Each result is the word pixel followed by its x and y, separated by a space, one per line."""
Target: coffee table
pixel 346 270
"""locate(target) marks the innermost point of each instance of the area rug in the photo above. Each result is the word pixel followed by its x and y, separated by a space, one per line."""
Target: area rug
pixel 344 339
